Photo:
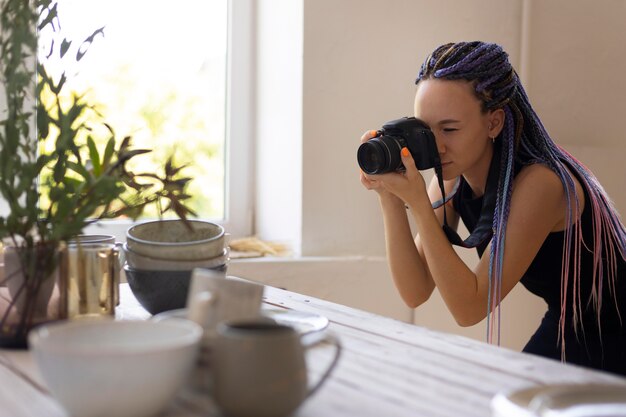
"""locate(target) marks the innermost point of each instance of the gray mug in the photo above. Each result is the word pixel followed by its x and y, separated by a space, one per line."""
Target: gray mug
pixel 260 369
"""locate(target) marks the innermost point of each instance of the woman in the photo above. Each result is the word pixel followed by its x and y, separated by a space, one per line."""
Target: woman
pixel 553 227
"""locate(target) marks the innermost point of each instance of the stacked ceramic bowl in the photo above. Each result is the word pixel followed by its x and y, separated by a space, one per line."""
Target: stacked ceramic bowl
pixel 160 256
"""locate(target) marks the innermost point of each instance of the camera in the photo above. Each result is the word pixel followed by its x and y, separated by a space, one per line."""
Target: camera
pixel 382 153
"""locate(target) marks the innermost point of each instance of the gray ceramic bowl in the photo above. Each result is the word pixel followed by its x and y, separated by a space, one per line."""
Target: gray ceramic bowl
pixel 174 240
pixel 159 291
pixel 138 261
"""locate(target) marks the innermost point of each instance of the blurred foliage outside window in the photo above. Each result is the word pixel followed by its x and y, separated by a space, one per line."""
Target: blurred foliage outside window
pixel 157 74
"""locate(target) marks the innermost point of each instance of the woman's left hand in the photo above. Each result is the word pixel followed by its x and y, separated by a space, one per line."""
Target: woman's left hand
pixel 408 185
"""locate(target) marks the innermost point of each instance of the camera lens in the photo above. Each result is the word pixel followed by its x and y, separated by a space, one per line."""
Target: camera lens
pixel 379 155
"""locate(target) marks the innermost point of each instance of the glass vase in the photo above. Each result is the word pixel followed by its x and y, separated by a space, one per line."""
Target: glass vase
pixel 33 290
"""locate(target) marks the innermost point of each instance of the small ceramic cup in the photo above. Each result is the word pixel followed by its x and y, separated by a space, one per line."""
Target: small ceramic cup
pixel 214 298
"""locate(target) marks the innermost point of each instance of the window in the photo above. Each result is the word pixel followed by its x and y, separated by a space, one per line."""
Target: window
pixel 164 73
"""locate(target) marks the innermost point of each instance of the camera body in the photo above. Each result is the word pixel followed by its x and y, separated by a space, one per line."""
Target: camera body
pixel 382 153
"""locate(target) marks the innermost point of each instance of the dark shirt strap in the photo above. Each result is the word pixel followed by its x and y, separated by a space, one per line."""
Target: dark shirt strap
pixel 484 227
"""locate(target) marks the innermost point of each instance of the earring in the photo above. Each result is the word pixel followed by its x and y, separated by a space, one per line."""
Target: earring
pixel 493 139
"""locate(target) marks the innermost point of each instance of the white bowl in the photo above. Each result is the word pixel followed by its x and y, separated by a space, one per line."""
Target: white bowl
pixel 173 240
pixel 138 261
pixel 115 368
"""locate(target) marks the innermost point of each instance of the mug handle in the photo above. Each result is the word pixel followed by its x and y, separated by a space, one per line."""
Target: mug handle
pixel 118 267
pixel 313 339
pixel 119 248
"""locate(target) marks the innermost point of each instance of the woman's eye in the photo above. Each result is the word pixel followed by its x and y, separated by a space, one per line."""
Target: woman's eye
pixel 450 129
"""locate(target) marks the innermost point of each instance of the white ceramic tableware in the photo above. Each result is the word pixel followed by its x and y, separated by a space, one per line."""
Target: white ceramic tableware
pixel 562 400
pixel 115 368
pixel 138 261
pixel 159 291
pixel 213 298
pixel 260 368
pixel 302 322
pixel 174 240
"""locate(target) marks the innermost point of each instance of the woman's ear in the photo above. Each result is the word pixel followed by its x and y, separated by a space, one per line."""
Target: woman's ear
pixel 496 122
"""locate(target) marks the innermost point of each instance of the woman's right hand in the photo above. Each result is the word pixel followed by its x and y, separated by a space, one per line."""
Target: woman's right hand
pixel 370 181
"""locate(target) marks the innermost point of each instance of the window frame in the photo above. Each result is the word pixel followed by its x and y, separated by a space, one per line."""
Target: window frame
pixel 238 149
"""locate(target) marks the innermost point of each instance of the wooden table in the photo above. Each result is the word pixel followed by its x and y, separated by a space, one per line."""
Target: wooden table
pixel 387 368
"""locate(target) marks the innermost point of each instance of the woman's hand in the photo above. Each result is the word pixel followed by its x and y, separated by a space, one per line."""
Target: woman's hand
pixel 371 182
pixel 409 185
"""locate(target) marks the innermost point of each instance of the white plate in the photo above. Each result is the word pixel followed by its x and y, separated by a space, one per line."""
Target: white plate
pixel 302 322
pixel 581 400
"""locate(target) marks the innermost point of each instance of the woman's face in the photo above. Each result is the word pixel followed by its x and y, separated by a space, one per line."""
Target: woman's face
pixel 461 129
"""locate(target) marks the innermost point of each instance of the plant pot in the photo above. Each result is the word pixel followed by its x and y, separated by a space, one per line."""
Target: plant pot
pixel 35 292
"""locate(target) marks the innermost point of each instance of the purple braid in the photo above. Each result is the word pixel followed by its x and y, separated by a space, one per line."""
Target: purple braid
pixel 525 141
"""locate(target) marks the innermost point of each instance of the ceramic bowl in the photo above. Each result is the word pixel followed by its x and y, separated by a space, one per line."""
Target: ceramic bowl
pixel 138 261
pixel 173 240
pixel 159 291
pixel 115 368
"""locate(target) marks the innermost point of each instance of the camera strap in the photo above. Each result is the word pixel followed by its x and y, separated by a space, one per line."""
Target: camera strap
pixel 484 227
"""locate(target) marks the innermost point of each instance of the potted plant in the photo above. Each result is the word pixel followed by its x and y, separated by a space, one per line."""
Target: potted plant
pixel 54 191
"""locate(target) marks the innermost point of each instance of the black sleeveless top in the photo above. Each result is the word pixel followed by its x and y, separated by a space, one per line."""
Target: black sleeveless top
pixel 600 346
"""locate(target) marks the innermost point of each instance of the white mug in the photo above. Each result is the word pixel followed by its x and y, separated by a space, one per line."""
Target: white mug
pixel 214 298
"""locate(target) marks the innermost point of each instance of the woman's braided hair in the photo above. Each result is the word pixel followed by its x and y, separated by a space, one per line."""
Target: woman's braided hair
pixel 525 141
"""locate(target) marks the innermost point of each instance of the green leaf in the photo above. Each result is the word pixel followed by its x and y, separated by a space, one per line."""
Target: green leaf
pixel 48 20
pixel 55 194
pixel 94 156
pixel 79 169
pixel 65 46
pixel 56 89
pixel 43 121
pixel 108 153
pixel 72 185
pixel 58 171
pixel 82 50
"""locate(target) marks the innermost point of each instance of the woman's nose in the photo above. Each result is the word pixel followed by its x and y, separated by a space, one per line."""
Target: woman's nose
pixel 441 147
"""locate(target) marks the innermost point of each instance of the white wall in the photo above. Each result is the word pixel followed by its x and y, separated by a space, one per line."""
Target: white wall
pixel 359 62
pixel 576 67
pixel 278 178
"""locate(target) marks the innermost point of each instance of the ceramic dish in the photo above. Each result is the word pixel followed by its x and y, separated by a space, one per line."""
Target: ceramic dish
pixel 94 367
pixel 139 261
pixel 302 322
pixel 174 240
pixel 583 400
